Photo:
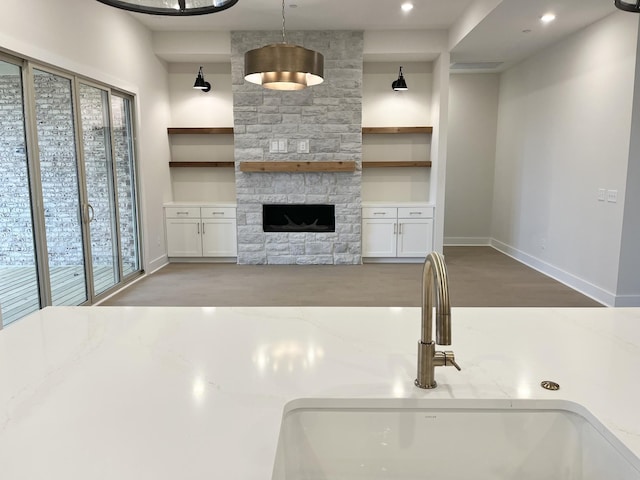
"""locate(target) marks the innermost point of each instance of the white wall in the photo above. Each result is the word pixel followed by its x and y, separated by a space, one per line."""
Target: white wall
pixel 382 107
pixel 628 293
pixel 473 117
pixel 563 132
pixel 440 121
pixel 108 45
pixel 193 108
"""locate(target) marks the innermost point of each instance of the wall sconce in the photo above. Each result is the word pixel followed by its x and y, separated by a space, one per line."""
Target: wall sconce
pixel 200 83
pixel 399 85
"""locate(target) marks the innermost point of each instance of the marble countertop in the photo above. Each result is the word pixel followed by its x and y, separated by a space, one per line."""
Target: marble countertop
pixel 191 393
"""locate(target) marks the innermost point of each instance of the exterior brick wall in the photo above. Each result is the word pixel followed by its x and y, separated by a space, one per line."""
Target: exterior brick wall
pixel 16 231
pixel 330 117
pixel 58 171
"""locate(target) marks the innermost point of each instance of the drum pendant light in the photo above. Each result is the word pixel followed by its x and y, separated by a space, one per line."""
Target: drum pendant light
pixel 283 66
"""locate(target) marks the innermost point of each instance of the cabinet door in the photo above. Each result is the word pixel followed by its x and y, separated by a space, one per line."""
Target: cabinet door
pixel 183 237
pixel 415 237
pixel 219 238
pixel 379 237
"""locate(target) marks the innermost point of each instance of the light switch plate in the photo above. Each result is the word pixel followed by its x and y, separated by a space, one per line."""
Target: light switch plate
pixel 282 145
pixel 612 196
pixel 273 146
pixel 601 194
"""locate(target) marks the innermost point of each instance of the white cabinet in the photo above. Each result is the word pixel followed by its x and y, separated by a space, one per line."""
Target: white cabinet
pixel 219 232
pixel 201 231
pixel 397 232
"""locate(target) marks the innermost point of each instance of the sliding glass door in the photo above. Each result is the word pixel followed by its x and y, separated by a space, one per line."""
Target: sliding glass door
pixel 98 174
pixel 60 188
pixel 19 290
pixel 69 231
pixel 126 183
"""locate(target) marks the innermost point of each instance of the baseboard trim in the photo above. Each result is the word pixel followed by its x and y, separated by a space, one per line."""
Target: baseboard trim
pixel 156 264
pixel 586 288
pixel 467 241
pixel 627 301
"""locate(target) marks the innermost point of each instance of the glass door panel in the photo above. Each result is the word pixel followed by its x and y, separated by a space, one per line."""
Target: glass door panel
pixel 19 292
pixel 125 181
pixel 60 188
pixel 98 170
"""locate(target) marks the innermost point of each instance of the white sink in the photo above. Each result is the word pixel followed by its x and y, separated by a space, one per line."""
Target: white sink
pixel 447 439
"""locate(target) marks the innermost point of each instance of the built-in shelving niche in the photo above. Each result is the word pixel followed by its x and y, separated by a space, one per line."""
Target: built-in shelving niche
pixel 301 166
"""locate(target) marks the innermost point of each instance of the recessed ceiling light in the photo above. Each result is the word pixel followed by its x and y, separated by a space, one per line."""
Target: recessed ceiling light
pixel 547 17
pixel 407 7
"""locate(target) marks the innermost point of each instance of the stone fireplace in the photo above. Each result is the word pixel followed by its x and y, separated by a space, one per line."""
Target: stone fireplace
pixel 329 117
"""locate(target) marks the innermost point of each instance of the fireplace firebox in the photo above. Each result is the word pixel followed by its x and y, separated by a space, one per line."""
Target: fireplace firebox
pixel 298 218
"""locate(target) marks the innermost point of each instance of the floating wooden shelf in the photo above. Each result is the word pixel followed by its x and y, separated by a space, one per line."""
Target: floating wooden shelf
pixel 298 166
pixel 425 164
pixel 200 164
pixel 201 131
pixel 397 129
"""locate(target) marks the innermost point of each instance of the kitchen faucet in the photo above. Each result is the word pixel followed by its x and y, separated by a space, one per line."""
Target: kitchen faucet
pixel 435 282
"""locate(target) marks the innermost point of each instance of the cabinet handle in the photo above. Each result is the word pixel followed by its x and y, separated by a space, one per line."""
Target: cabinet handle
pixel 415 213
pixel 400 229
pixel 182 213
pixel 395 228
pixel 198 228
pixel 217 213
pixel 203 228
pixel 379 213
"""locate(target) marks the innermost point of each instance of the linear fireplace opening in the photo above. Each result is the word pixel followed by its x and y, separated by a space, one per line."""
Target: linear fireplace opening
pixel 298 218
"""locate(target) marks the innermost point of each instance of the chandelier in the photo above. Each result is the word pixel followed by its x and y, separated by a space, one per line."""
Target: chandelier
pixel 628 5
pixel 178 8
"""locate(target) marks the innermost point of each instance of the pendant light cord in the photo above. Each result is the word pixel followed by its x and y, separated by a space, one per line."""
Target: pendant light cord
pixel 284 35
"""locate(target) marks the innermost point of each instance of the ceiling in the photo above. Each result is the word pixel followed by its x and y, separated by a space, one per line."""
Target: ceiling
pixel 507 34
pixel 318 15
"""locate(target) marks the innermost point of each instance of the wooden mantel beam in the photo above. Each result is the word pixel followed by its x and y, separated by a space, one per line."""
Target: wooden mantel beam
pixel 335 166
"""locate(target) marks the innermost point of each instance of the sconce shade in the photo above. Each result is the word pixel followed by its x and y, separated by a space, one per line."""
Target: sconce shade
pixel 400 84
pixel 283 66
pixel 628 6
pixel 172 7
pixel 200 83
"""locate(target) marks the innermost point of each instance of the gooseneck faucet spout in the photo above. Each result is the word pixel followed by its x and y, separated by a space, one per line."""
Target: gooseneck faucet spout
pixel 435 283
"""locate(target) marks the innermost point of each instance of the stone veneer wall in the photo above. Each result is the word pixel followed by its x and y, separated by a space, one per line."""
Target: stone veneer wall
pixel 330 117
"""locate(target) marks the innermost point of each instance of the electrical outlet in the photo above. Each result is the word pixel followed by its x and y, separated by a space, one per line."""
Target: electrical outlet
pixel 282 145
pixel 273 146
pixel 601 194
pixel 303 146
pixel 612 196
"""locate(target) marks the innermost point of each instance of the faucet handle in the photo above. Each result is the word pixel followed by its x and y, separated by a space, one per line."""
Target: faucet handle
pixel 450 360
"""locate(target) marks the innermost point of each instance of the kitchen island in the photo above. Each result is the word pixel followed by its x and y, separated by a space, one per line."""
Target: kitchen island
pixel 190 393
